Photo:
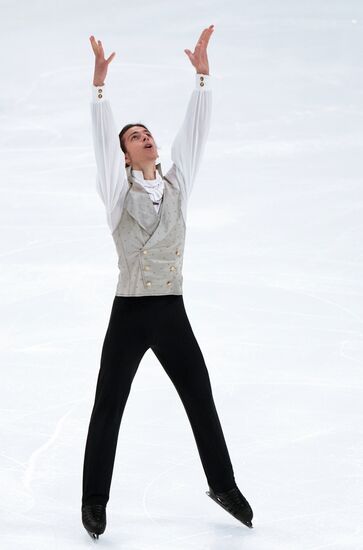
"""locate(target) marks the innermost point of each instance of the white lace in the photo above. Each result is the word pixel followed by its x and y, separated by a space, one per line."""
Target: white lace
pixel 155 187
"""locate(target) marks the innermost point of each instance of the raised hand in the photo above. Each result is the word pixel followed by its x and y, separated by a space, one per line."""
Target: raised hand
pixel 199 58
pixel 101 64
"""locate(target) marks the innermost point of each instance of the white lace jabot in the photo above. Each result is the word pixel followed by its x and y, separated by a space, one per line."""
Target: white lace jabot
pixel 154 187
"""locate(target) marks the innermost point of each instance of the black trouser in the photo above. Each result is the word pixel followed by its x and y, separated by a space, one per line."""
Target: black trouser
pixel 137 324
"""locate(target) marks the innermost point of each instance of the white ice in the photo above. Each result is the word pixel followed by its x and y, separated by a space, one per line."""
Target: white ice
pixel 273 272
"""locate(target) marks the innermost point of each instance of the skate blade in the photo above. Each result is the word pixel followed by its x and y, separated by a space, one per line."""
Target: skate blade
pixel 93 536
pixel 211 495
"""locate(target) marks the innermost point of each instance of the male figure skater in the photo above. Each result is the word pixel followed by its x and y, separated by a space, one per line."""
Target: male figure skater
pixel 146 213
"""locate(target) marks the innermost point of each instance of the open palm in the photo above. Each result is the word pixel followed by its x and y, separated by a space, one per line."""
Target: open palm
pixel 199 58
pixel 101 64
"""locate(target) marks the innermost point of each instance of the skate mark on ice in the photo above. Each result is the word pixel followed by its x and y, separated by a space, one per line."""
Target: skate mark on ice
pixel 32 462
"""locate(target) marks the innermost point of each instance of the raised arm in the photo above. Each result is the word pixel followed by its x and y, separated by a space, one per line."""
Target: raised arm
pixel 110 159
pixel 188 146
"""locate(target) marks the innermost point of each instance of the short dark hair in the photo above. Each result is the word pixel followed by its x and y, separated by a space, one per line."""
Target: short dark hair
pixel 121 135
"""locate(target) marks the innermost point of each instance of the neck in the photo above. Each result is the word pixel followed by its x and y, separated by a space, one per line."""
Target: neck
pixel 149 171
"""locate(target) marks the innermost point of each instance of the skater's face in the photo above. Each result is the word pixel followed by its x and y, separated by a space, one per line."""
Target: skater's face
pixel 140 145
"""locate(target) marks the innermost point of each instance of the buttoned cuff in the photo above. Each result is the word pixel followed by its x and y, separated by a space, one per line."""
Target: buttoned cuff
pixel 98 93
pixel 202 81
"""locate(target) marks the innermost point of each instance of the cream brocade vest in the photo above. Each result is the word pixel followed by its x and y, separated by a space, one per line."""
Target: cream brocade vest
pixel 150 244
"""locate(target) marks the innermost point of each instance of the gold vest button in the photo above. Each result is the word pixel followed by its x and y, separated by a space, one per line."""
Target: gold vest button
pixel 100 95
pixel 168 283
pixel 148 283
pixel 147 268
pixel 172 268
pixel 144 251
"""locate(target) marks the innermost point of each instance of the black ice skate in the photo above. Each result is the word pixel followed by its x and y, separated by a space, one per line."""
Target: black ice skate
pixel 94 519
pixel 235 503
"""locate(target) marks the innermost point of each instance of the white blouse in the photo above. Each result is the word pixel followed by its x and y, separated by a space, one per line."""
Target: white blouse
pixel 186 152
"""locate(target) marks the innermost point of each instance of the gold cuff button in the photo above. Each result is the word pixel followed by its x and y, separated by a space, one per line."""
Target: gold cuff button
pixel 147 268
pixel 168 283
pixel 144 251
pixel 172 268
pixel 148 283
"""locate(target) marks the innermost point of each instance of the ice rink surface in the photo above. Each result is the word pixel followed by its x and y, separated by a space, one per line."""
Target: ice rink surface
pixel 273 272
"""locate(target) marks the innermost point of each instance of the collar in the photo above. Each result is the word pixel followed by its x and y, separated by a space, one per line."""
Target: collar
pixel 133 174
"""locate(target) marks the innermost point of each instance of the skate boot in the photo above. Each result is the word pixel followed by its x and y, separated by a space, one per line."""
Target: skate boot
pixel 235 503
pixel 94 519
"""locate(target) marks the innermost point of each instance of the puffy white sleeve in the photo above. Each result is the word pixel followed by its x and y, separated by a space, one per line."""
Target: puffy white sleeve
pixel 188 146
pixel 111 179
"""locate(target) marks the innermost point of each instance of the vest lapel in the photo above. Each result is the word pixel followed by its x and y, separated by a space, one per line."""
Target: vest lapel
pixel 139 205
pixel 169 212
